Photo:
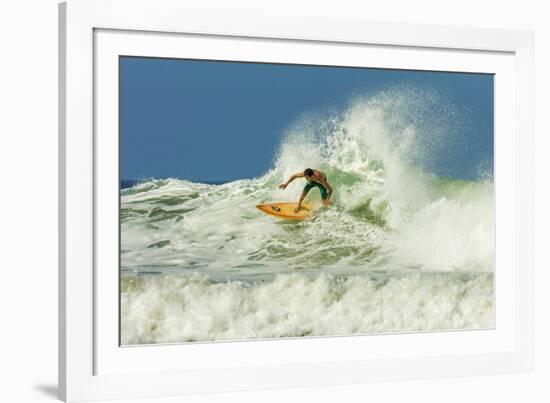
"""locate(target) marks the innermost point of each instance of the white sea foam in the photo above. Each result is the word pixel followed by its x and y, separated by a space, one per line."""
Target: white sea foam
pixel 191 308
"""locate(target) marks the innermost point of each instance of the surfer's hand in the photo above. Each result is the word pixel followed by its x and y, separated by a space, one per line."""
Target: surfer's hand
pixel 297 209
pixel 283 186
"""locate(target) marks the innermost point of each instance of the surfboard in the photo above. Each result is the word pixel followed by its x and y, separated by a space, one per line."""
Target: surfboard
pixel 286 210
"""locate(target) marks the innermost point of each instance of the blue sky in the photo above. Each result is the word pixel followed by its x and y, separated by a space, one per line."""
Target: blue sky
pixel 221 121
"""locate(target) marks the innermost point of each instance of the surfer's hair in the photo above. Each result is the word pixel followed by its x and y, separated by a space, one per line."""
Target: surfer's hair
pixel 308 172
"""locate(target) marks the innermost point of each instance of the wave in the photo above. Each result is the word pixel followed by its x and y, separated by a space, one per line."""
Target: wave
pixel 390 212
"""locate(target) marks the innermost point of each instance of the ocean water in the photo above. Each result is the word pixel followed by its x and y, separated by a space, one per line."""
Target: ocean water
pixel 400 249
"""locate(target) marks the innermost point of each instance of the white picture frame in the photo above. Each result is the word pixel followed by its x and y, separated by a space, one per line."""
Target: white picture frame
pixel 91 363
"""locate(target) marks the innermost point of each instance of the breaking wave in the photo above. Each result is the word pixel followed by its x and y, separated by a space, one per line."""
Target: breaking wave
pixel 391 214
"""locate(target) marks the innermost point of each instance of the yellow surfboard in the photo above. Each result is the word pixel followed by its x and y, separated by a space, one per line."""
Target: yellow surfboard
pixel 286 210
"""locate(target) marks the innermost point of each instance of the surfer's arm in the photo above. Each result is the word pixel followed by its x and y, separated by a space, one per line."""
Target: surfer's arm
pixel 325 184
pixel 298 175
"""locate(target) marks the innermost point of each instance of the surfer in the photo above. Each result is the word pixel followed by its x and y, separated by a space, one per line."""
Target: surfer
pixel 314 178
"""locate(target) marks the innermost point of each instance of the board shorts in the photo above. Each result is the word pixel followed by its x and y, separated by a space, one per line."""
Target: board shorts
pixel 312 184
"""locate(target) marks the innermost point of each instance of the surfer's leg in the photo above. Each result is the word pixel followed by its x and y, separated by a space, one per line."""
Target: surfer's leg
pixel 308 187
pixel 306 190
pixel 324 192
pixel 325 196
pixel 302 197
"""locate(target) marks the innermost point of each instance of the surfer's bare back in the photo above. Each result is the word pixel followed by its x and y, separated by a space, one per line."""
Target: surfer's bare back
pixel 314 178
